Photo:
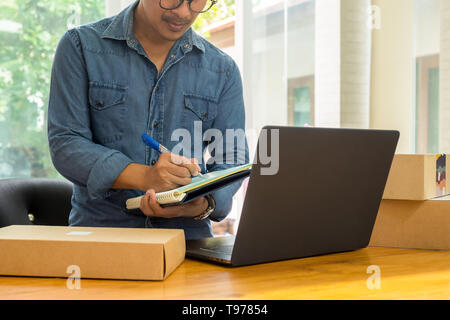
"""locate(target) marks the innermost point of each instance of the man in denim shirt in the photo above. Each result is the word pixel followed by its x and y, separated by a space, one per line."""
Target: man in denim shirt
pixel 142 71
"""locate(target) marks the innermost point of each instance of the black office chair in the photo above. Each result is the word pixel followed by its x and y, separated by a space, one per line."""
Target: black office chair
pixel 35 201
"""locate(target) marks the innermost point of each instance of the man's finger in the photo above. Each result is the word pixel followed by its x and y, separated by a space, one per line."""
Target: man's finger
pixel 195 161
pixel 193 169
pixel 190 164
pixel 178 160
pixel 145 205
pixel 178 170
pixel 169 212
pixel 152 203
pixel 179 181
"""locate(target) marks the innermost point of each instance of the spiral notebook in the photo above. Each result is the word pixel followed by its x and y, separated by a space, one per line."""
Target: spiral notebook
pixel 200 186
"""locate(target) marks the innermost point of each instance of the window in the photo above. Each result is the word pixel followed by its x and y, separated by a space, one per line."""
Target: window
pixel 282 67
pixel 301 101
pixel 29 33
pixel 427 104
pixel 427 17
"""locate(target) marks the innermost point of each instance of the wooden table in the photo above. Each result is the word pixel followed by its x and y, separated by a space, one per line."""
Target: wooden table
pixel 404 274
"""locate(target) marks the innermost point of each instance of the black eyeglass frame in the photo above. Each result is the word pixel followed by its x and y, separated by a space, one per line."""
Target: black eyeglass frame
pixel 180 2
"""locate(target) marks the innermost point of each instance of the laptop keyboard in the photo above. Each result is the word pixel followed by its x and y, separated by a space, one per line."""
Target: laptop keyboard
pixel 226 249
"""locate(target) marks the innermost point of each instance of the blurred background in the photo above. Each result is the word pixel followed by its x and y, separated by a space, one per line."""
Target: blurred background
pixel 379 64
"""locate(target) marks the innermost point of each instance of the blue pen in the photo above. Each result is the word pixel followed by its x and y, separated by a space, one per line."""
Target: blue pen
pixel 152 143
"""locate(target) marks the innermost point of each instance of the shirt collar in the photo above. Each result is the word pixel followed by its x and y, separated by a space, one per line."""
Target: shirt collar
pixel 121 28
pixel 191 38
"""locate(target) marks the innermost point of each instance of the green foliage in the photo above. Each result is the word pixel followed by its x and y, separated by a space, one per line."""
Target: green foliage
pixel 222 10
pixel 29 34
pixel 31 31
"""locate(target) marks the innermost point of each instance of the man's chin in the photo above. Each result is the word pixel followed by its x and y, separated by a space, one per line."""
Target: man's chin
pixel 173 36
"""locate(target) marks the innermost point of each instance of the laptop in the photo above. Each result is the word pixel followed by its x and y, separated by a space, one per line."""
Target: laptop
pixel 324 198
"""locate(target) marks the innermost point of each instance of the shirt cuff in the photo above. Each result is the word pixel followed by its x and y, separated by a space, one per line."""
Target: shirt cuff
pixel 105 172
pixel 224 201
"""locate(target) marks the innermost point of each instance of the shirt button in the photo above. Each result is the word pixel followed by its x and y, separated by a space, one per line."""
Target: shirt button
pixel 172 56
pixel 187 46
pixel 155 124
pixel 131 42
pixel 153 162
pixel 99 103
pixel 157 89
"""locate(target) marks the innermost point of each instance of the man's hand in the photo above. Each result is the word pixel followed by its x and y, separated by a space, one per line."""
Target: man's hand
pixel 170 172
pixel 151 208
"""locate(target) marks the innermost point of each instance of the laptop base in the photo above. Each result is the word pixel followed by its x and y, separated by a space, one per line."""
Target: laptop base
pixel 215 249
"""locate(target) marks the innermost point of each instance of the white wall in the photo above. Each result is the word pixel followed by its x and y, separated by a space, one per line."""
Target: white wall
pixel 356 41
pixel 342 81
pixel 301 42
pixel 269 89
pixel 393 72
pixel 427 27
pixel 328 64
pixel 444 112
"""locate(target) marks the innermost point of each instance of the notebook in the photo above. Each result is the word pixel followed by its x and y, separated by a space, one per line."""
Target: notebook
pixel 200 186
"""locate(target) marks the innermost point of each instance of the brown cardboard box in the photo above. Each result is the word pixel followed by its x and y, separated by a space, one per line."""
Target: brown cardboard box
pixel 413 224
pixel 417 177
pixel 103 253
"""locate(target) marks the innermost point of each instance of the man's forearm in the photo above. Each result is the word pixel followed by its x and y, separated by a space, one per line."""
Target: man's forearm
pixel 133 177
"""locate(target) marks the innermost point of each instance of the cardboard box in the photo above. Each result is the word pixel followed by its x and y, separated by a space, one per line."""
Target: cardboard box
pixel 413 224
pixel 101 253
pixel 417 177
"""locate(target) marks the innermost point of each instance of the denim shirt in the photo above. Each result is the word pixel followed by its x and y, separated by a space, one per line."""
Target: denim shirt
pixel 105 93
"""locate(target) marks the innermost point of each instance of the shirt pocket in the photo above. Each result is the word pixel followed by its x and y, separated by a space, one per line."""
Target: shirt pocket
pixel 107 103
pixel 199 108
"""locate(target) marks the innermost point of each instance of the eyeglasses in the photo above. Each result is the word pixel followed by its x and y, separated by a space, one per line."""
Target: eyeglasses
pixel 197 6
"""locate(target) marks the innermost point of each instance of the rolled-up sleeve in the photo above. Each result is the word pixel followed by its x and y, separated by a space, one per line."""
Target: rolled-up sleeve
pixel 231 115
pixel 74 153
